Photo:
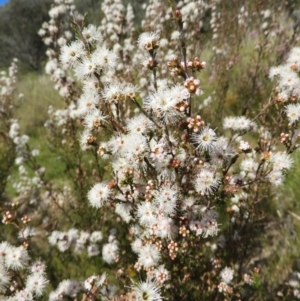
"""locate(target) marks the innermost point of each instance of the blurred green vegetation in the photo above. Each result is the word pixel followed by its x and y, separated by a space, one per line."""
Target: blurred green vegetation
pixel 20 20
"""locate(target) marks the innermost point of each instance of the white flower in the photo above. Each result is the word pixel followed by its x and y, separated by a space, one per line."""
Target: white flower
pixel 206 182
pixel 69 288
pixel 136 245
pixel 24 295
pixel 16 258
pixel 27 232
pixel 209 225
pixel 93 250
pixel 38 267
pixel 146 213
pixel 113 92
pixel 73 235
pixel 249 165
pixel 87 102
pixel 166 228
pixel 221 151
pixel 274 72
pixel 228 122
pixel 5 248
pixel 275 177
pixel 244 145
pixel 72 54
pixel 110 252
pixel 92 35
pixel 239 124
pixel 149 256
pixel 147 291
pixel 89 282
pixel 163 104
pixel 166 199
pixel 94 119
pixel 36 283
pixel 84 236
pixel 104 59
pixel 96 236
pixel 98 194
pixel 86 69
pixel 148 40
pixel 293 112
pixel 205 139
pixel 139 124
pixel 281 161
pixel 227 275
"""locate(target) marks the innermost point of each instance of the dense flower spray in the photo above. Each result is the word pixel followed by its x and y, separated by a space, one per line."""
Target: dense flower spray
pixel 164 194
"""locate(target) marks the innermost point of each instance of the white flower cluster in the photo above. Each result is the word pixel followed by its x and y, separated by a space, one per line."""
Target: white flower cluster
pixel 56 35
pixel 80 240
pixel 70 288
pixel 25 184
pixel 288 81
pixel 7 83
pixel 166 170
pixel 16 259
pixel 226 276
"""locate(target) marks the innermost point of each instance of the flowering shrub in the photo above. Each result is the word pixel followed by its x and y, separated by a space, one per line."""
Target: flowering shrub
pixel 168 187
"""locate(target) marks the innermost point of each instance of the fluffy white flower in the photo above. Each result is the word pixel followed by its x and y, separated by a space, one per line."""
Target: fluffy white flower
pixel 208 225
pixel 249 165
pixel 149 256
pixel 136 245
pixel 148 40
pixel 27 232
pixel 239 124
pixel 86 69
pixel 38 267
pixel 98 194
pixel 96 236
pixel 93 250
pixel 147 291
pixel 166 199
pixel 227 275
pixel 118 92
pixel 87 102
pixel 110 252
pixel 92 35
pixel 72 54
pixel 23 295
pixel 139 124
pixel 16 258
pixel 281 161
pixel 293 112
pixel 36 283
pixel 94 119
pixel 166 228
pixel 146 213
pixel 104 59
pixel 205 139
pixel 244 145
pixel 206 182
pixel 275 177
pixel 164 103
pixel 69 288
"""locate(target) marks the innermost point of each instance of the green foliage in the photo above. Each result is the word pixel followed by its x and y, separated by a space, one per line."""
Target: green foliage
pixel 20 21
